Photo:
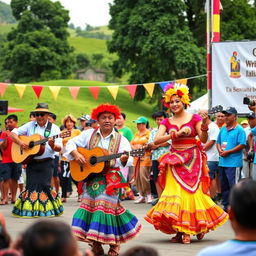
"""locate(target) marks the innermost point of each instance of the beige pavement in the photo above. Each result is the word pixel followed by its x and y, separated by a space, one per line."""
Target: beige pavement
pixel 148 236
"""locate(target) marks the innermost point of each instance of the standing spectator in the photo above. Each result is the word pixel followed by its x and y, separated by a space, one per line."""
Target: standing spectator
pixel 246 170
pixel 55 177
pixel 142 173
pixel 252 138
pixel 230 144
pixel 242 212
pixel 69 122
pixel 32 116
pixel 158 150
pixel 10 171
pixel 128 134
pixel 83 120
pixel 122 129
pixel 211 152
pixel 220 119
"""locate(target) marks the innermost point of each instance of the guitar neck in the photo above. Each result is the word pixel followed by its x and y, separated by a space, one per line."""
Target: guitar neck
pixel 110 157
pixel 39 142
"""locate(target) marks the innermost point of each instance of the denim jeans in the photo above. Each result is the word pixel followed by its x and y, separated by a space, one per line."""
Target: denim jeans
pixel 227 180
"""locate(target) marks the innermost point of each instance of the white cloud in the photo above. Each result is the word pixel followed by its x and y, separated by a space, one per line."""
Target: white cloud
pixel 92 12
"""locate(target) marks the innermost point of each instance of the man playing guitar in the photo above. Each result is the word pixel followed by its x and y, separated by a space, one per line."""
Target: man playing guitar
pixel 38 200
pixel 100 218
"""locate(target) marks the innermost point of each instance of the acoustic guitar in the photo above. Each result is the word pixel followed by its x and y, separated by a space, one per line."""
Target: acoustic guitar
pixel 35 147
pixel 97 160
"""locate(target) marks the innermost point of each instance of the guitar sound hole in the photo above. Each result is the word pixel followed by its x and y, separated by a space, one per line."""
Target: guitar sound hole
pixel 31 144
pixel 93 160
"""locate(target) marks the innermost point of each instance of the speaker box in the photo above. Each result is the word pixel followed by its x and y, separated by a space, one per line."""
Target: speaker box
pixel 3 107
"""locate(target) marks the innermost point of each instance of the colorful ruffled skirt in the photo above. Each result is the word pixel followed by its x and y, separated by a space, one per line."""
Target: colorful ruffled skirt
pixel 101 218
pixel 181 211
pixel 38 201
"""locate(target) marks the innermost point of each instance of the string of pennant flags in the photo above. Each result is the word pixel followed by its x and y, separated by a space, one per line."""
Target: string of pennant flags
pixel 74 90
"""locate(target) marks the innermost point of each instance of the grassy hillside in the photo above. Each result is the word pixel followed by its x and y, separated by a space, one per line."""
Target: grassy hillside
pixel 83 104
pixel 88 45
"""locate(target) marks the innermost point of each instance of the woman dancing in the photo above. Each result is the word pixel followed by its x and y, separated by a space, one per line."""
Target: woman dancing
pixel 185 207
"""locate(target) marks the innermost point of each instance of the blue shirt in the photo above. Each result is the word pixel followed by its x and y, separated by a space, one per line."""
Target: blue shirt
pixel 229 139
pixel 253 131
pixel 231 248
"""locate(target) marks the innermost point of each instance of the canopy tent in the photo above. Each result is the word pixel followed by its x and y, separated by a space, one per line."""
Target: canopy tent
pixel 200 103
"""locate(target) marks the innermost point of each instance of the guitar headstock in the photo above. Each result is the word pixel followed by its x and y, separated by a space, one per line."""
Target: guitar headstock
pixel 138 152
pixel 215 109
pixel 65 134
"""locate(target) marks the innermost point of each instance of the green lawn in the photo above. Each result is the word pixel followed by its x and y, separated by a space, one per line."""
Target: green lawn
pixel 83 104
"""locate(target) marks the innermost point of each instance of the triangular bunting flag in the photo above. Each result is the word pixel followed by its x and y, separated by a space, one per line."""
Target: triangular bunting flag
pixel 74 91
pixel 113 91
pixel 131 89
pixel 3 87
pixel 95 92
pixel 163 84
pixel 55 91
pixel 182 81
pixel 37 89
pixel 20 89
pixel 149 88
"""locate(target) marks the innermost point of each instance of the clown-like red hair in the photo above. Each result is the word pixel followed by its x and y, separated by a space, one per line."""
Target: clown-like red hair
pixel 113 109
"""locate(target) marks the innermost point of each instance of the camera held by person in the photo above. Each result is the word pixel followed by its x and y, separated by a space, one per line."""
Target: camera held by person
pixel 248 101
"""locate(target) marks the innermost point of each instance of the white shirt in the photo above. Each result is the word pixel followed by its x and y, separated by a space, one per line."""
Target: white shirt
pixel 83 139
pixel 33 127
pixel 213 132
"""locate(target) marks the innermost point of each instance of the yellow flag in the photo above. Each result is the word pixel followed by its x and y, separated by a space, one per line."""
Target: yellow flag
pixel 182 81
pixel 55 91
pixel 149 88
pixel 20 89
pixel 113 91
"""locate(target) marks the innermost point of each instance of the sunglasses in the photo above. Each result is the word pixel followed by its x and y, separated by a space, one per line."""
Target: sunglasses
pixel 39 114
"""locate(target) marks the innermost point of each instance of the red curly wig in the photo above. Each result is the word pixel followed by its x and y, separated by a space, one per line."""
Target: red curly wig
pixel 113 109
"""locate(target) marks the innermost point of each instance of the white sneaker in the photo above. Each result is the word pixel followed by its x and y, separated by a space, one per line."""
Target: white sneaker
pixel 149 199
pixel 140 200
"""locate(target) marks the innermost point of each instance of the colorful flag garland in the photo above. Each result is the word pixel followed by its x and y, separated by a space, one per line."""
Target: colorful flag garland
pixel 74 90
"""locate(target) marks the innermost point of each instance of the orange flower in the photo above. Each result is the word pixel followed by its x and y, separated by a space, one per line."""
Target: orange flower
pixel 33 196
pixel 43 196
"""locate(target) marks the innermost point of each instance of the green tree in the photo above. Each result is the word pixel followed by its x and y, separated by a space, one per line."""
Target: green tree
pixel 38 48
pixel 238 20
pixel 153 42
pixel 82 61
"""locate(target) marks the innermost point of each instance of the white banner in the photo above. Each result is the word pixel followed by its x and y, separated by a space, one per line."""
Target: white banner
pixel 233 74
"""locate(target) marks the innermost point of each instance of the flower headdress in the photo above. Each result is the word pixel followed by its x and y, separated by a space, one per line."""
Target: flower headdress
pixel 176 89
pixel 113 109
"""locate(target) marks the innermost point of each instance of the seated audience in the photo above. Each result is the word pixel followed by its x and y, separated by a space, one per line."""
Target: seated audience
pixel 48 237
pixel 242 211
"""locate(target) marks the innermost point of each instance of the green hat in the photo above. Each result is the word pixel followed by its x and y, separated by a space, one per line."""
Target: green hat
pixel 141 120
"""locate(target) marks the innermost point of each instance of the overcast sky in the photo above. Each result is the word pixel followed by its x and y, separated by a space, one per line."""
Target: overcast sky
pixel 92 12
